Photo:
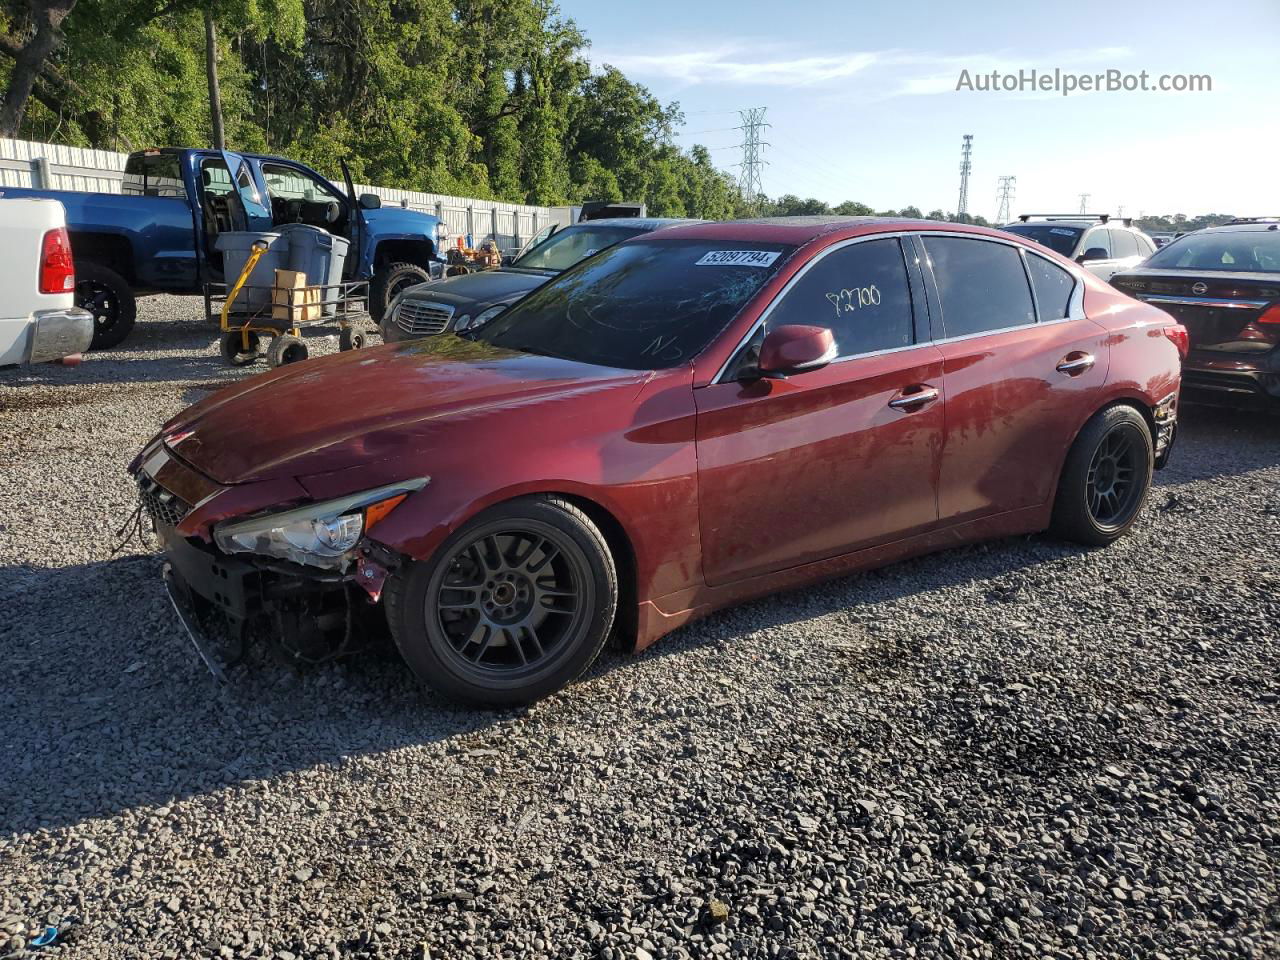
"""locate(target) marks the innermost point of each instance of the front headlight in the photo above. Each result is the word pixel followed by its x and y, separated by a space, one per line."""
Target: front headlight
pixel 488 315
pixel 317 534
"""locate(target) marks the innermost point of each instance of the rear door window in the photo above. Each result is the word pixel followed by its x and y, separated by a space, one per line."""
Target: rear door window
pixel 859 292
pixel 1053 287
pixel 1123 244
pixel 982 285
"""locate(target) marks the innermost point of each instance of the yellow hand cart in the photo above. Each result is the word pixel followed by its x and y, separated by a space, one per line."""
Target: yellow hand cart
pixel 247 313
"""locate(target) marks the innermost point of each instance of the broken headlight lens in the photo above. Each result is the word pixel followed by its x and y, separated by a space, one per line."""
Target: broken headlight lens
pixel 317 534
pixel 318 541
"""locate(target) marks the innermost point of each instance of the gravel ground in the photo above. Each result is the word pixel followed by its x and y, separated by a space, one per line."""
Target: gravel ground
pixel 1016 749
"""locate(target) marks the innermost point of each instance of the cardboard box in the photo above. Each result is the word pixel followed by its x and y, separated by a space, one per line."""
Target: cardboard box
pixel 292 301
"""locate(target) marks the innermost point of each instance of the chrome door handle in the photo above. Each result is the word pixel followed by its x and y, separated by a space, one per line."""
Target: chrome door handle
pixel 1078 365
pixel 909 401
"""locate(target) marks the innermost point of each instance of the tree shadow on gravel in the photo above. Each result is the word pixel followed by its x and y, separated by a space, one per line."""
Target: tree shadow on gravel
pixel 105 706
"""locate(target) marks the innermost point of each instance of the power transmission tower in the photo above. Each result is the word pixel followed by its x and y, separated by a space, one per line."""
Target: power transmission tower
pixel 750 182
pixel 962 207
pixel 1004 197
pixel 1084 202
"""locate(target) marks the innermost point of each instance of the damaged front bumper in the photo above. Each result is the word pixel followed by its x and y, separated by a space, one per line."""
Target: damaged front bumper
pixel 306 613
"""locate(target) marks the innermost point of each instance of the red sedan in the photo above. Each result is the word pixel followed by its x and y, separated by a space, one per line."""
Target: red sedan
pixel 686 420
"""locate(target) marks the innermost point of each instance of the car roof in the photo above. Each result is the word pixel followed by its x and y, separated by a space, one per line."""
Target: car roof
pixel 639 223
pixel 1251 226
pixel 801 230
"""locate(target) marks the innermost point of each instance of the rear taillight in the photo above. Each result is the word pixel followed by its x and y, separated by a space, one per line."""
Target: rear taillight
pixel 1181 339
pixel 57 272
pixel 1271 315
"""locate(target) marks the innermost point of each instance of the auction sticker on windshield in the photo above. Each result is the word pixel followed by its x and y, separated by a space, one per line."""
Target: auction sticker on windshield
pixel 737 258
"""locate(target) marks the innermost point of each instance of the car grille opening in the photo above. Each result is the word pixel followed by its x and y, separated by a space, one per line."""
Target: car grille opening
pixel 161 505
pixel 423 319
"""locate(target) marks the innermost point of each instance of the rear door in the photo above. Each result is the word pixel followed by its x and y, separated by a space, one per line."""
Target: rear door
pixel 1096 254
pixel 832 460
pixel 1021 367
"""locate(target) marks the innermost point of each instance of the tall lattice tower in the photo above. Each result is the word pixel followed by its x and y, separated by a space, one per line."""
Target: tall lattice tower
pixel 1004 198
pixel 965 167
pixel 1084 201
pixel 750 180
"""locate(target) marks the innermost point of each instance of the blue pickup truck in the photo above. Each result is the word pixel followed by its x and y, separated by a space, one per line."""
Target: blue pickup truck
pixel 159 234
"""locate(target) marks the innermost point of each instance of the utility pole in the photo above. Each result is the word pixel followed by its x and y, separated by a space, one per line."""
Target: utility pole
pixel 750 180
pixel 1084 202
pixel 962 207
pixel 1004 198
pixel 1120 211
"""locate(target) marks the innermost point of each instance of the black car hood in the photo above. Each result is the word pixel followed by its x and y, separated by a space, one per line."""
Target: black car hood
pixel 475 292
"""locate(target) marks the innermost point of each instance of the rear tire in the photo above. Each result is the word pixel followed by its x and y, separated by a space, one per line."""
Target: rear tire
pixel 351 339
pixel 388 281
pixel 108 296
pixel 285 349
pixel 514 606
pixel 1106 478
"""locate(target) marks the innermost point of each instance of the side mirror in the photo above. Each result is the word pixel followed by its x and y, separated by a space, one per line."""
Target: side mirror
pixel 795 348
pixel 370 201
pixel 1093 253
pixel 508 259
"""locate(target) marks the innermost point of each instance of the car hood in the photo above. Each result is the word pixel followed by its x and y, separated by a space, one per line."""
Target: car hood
pixel 360 407
pixel 477 291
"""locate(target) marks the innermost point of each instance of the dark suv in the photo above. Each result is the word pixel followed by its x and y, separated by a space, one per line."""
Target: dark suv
pixel 1223 284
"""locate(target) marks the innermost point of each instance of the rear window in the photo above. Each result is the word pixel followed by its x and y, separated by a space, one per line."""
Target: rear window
pixel 1248 251
pixel 153 175
pixel 643 305
pixel 1061 240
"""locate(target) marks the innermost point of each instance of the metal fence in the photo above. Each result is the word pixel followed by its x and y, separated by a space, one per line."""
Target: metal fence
pixel 52 166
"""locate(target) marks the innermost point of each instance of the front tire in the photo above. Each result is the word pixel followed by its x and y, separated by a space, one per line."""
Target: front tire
pixel 108 296
pixel 511 608
pixel 388 281
pixel 1106 478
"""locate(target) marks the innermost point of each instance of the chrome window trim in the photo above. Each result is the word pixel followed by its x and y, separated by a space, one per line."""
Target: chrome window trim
pixel 1075 310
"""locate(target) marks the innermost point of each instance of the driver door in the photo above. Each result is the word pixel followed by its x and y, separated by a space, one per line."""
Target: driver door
pixel 833 460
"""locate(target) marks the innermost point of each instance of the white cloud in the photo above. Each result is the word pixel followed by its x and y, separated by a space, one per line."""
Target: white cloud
pixel 735 64
pixel 882 73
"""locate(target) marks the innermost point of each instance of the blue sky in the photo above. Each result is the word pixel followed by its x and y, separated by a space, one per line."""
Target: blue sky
pixel 863 102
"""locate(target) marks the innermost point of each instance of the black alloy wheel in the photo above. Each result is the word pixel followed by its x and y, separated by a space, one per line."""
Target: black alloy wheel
pixel 1106 477
pixel 108 296
pixel 507 600
pixel 1112 486
pixel 514 606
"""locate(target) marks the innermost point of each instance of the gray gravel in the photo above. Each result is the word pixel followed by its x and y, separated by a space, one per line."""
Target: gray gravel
pixel 1016 749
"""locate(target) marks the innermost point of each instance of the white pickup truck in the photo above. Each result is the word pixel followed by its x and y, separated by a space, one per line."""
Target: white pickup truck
pixel 38 317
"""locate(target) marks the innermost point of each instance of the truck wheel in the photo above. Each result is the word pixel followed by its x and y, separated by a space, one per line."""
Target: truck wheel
pixel 389 280
pixel 231 346
pixel 286 348
pixel 108 296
